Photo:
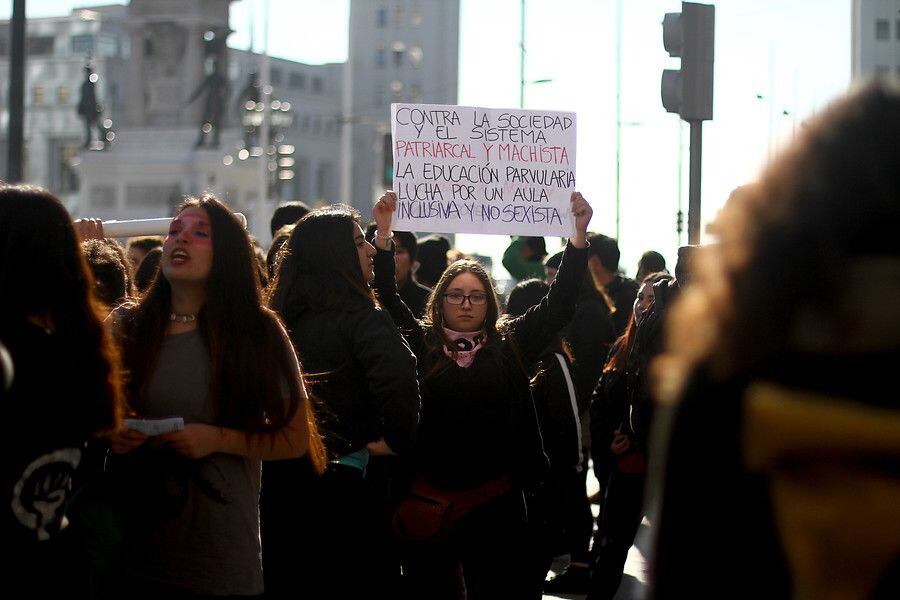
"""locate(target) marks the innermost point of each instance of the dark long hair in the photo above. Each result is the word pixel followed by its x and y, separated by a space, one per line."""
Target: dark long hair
pixel 249 351
pixel 320 266
pixel 43 274
pixel 790 248
pixel 623 345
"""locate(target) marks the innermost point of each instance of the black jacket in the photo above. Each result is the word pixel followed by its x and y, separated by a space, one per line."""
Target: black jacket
pixel 559 420
pixel 363 378
pixel 589 336
pixel 415 296
pixel 609 410
pixel 479 423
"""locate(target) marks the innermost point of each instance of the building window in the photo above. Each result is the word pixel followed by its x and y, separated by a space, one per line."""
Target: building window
pixel 62 94
pixel 39 45
pixel 107 44
pixel 398 15
pixel 882 30
pixel 297 81
pixel 306 123
pixel 4 46
pixel 380 57
pixel 415 57
pixel 415 19
pixel 381 18
pixel 398 49
pixel 898 29
pixel 379 95
pixel 66 176
pixel 83 43
pixel 316 85
pixel 397 90
pixel 415 93
pixel 323 182
pixel 37 94
pixel 275 77
pixel 882 70
pixel 317 125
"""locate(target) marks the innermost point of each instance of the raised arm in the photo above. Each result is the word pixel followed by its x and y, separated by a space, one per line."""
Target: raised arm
pixel 385 282
pixel 534 330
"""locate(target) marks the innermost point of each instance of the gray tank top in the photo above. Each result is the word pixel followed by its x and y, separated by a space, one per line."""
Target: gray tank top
pixel 212 546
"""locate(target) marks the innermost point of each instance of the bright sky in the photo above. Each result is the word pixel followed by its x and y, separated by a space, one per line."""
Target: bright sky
pixel 795 54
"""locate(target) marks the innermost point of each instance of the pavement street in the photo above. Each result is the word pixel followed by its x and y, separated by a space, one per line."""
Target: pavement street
pixel 634 580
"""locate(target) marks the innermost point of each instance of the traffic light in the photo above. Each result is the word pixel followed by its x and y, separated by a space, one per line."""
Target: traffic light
pixel 690 35
pixel 387 162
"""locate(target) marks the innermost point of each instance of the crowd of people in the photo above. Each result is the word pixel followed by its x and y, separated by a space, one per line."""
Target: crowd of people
pixel 358 413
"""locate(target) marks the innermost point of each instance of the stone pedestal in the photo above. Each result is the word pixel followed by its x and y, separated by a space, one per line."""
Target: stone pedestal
pixel 148 173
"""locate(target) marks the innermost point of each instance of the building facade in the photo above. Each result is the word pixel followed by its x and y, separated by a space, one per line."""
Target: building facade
pixel 875 38
pixel 151 57
pixel 57 50
pixel 400 51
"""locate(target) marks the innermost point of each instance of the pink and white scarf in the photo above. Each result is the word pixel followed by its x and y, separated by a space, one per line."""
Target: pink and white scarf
pixel 467 344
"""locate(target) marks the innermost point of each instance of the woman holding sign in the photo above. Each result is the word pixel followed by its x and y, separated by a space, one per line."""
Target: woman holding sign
pixel 199 345
pixel 479 445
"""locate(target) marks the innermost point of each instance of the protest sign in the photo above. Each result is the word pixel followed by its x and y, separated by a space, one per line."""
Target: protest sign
pixel 464 169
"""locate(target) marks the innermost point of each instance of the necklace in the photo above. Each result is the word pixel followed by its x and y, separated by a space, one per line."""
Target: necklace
pixel 188 318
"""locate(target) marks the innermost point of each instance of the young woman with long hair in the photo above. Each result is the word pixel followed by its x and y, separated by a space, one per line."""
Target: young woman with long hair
pixel 479 438
pixel 64 389
pixel 619 451
pixel 364 377
pixel 200 345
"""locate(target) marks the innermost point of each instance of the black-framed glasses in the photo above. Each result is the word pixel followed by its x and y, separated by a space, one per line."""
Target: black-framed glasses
pixel 475 299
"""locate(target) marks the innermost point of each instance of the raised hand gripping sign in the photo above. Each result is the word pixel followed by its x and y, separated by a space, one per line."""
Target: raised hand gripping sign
pixel 464 169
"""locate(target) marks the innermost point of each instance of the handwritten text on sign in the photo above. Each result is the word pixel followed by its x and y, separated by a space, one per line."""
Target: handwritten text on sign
pixel 463 169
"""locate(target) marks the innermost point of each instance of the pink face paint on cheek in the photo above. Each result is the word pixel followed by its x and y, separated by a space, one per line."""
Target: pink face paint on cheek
pixel 196 230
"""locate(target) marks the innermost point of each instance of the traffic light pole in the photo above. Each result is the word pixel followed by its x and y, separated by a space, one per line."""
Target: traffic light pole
pixel 694 182
pixel 688 91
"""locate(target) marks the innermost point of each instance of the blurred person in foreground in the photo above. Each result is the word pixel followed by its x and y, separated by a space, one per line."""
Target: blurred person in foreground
pixel 63 392
pixel 782 457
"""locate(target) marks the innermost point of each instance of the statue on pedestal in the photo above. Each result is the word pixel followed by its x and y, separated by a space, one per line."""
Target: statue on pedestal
pixel 216 87
pixel 89 108
pixel 250 94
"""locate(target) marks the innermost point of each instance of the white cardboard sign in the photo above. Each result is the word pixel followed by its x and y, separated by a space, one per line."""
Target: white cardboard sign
pixel 465 169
